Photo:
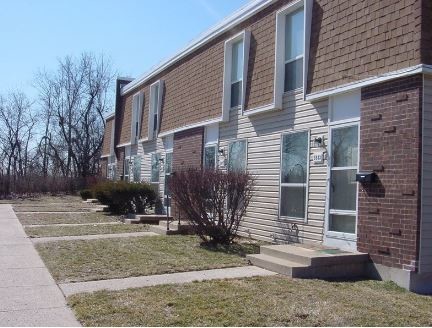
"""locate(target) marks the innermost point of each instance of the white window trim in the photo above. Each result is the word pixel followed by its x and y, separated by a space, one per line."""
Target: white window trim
pixel 153 134
pixel 305 219
pixel 334 238
pixel 228 152
pixel 226 98
pixel 151 168
pixel 137 105
pixel 279 77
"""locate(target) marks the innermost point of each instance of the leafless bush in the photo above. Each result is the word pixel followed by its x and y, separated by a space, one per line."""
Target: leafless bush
pixel 214 201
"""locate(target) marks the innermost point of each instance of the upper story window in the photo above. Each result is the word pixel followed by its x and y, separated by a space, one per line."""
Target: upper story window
pixel 235 72
pixel 137 104
pixel 155 109
pixel 294 50
pixel 293 23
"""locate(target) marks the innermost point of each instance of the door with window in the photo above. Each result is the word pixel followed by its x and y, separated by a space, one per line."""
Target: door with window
pixel 341 221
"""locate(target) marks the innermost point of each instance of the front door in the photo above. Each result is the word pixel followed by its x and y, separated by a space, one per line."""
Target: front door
pixel 341 218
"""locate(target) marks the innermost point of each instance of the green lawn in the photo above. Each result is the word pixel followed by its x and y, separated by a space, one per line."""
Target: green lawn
pixel 55 231
pixel 87 260
pixel 64 218
pixel 263 301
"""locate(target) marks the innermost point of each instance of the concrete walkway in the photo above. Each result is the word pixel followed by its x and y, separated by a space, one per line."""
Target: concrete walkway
pixel 29 295
pixel 70 224
pixel 91 237
pixel 163 279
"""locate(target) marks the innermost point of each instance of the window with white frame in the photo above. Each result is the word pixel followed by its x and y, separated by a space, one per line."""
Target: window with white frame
pixel 137 102
pixel 136 168
pixel 126 169
pixel 111 171
pixel 294 50
pixel 211 146
pixel 155 109
pixel 294 175
pixel 237 156
pixel 235 71
pixel 155 165
pixel 292 42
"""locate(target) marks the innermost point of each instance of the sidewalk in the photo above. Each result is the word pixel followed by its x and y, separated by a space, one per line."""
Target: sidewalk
pixel 29 295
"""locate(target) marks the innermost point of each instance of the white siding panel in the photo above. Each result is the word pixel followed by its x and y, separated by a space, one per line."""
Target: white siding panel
pixel 425 262
pixel 263 132
pixel 146 150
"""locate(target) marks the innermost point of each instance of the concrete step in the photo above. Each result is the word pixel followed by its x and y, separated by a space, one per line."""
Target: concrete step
pixel 285 267
pixel 313 256
pixel 91 201
pixel 100 208
pixel 146 218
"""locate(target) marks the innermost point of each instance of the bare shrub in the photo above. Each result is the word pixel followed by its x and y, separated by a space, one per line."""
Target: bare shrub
pixel 214 201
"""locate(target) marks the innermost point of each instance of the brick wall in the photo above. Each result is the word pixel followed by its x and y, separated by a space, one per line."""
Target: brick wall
pixel 106 146
pixel 426 43
pixel 356 39
pixel 390 143
pixel 120 160
pixel 103 167
pixel 188 148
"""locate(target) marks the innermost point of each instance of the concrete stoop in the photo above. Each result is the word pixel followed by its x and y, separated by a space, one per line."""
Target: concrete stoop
pixel 184 228
pixel 145 218
pixel 310 262
pixel 90 201
pixel 99 208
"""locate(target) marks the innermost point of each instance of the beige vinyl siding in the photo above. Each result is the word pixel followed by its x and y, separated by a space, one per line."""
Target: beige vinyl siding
pixel 146 150
pixel 426 201
pixel 263 133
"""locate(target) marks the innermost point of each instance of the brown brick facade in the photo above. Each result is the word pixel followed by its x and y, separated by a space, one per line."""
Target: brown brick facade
pixel 188 149
pixel 120 161
pixel 357 39
pixel 426 42
pixel 106 146
pixel 103 167
pixel 390 144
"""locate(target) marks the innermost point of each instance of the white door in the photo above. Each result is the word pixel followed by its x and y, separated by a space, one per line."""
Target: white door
pixel 341 217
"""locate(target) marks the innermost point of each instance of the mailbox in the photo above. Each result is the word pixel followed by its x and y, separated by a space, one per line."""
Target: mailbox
pixel 365 176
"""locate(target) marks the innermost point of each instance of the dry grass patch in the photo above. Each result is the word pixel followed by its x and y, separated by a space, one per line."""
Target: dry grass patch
pixel 261 301
pixel 64 218
pixel 86 260
pixel 66 199
pixel 56 231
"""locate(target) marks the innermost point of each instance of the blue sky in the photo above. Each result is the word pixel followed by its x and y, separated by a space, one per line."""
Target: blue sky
pixel 134 34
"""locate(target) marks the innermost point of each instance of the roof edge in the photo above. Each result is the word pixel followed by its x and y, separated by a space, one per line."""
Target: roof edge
pixel 229 22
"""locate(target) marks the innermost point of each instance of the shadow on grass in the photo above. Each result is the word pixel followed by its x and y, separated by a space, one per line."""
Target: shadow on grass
pixel 240 249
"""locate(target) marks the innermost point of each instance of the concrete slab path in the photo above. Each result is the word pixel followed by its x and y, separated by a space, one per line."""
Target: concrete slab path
pixel 70 224
pixel 29 295
pixel 90 237
pixel 163 279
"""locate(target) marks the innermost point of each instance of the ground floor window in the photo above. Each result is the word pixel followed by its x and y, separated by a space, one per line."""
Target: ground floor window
pixel 126 169
pixel 155 165
pixel 237 156
pixel 111 172
pixel 294 175
pixel 137 169
pixel 210 155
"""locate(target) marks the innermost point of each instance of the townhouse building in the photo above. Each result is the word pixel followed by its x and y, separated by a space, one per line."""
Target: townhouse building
pixel 327 102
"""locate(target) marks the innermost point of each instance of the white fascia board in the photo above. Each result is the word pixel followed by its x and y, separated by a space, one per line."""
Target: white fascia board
pixel 426 69
pixel 124 145
pixel 109 116
pixel 228 23
pixel 105 156
pixel 190 126
pixel 262 109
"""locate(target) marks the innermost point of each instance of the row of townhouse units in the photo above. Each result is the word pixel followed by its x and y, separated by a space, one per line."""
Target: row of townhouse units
pixel 328 103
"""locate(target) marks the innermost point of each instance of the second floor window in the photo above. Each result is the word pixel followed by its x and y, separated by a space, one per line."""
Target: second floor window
pixel 237 74
pixel 137 102
pixel 155 108
pixel 294 49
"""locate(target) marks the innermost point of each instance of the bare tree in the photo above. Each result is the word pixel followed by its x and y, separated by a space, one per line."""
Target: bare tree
pixel 17 123
pixel 75 99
